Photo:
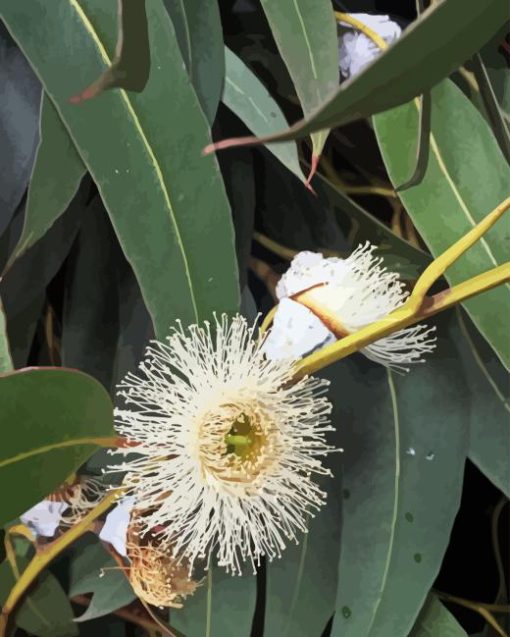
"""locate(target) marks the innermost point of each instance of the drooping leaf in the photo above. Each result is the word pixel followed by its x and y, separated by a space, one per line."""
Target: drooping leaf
pixel 90 321
pixel 247 97
pixel 405 441
pixel 489 413
pixel 55 178
pixel 305 33
pixel 130 67
pixel 20 96
pixel 95 571
pixel 410 66
pixel 199 33
pixel 302 585
pixel 223 605
pixel 45 611
pixel 51 421
pixel 127 142
pixel 435 620
pixel 455 194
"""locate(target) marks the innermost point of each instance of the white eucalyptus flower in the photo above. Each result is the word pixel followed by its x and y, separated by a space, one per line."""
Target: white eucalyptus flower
pixel 227 446
pixel 115 527
pixel 44 518
pixel 356 50
pixel 357 291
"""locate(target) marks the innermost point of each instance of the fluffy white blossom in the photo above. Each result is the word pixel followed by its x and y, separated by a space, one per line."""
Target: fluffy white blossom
pixel 226 446
pixel 357 291
pixel 356 50
pixel 44 518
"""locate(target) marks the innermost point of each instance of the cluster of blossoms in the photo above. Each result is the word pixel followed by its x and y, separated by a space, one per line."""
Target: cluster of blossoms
pixel 224 445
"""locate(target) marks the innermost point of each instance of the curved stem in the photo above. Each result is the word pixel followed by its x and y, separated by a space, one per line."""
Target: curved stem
pixel 361 26
pixel 47 554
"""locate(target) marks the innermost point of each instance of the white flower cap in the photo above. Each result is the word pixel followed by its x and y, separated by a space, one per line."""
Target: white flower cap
pixel 116 525
pixel 356 50
pixel 44 518
pixel 358 291
pixel 295 331
pixel 227 447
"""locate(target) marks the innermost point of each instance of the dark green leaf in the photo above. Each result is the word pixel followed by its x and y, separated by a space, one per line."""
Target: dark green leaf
pixel 247 97
pixel 223 605
pixel 57 172
pixel 455 194
pixel 409 67
pixel 435 620
pixel 167 203
pixel 20 97
pixel 52 420
pixel 90 322
pixel 199 33
pixel 489 384
pixel 131 66
pixel 405 441
pixel 45 611
pixel 305 32
pixel 301 586
pixel 110 587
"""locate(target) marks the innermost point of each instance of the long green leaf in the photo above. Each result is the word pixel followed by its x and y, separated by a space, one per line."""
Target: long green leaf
pixel 199 33
pixel 489 414
pixel 167 203
pixel 56 175
pixel 435 620
pixel 223 605
pixel 51 421
pixel 410 66
pixel 301 586
pixel 405 446
pixel 305 32
pixel 246 96
pixel 45 611
pixel 466 178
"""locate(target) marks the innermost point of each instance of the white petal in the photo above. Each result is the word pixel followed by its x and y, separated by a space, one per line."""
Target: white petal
pixel 116 525
pixel 295 332
pixel 356 50
pixel 44 518
pixel 306 270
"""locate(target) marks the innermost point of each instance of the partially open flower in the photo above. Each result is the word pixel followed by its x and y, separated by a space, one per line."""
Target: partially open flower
pixel 226 445
pixel 156 576
pixel 356 50
pixel 81 496
pixel 357 291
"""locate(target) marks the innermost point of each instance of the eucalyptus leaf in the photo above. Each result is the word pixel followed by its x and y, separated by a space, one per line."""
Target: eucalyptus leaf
pixel 95 571
pixel 90 321
pixel 55 178
pixel 455 194
pixel 489 415
pixel 305 32
pixel 199 33
pixel 403 473
pixel 435 620
pixel 5 354
pixel 127 142
pixel 20 96
pixel 406 69
pixel 45 611
pixel 55 419
pixel 245 95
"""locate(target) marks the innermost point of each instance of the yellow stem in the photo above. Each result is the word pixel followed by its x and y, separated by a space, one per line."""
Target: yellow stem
pixel 277 248
pixel 478 607
pixel 416 308
pixel 360 26
pixel 47 554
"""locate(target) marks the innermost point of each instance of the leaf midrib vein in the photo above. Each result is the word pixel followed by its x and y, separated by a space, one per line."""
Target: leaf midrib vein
pixel 152 156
